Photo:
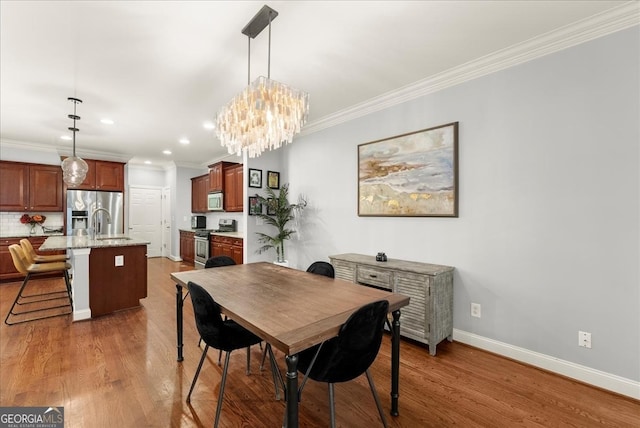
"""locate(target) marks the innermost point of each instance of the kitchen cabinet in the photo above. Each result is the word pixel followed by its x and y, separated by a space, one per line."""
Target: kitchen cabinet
pixel 199 186
pixel 30 187
pixel 227 246
pixel 104 176
pixel 8 270
pixel 117 287
pixel 429 316
pixel 187 246
pixel 216 176
pixel 233 189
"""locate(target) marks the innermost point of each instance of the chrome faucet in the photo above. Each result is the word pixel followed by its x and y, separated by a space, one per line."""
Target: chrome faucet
pixel 97 227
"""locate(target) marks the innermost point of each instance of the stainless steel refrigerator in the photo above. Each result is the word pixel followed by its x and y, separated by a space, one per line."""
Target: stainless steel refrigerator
pixel 99 212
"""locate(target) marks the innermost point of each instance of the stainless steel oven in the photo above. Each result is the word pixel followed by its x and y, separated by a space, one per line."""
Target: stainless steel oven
pixel 201 248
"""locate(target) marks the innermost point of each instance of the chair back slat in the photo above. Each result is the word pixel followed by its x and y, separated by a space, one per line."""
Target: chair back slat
pixel 28 251
pixel 19 259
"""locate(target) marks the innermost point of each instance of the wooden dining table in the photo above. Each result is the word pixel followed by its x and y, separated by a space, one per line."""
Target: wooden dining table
pixel 292 310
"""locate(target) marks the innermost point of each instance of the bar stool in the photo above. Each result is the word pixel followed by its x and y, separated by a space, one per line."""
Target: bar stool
pixel 33 257
pixel 23 266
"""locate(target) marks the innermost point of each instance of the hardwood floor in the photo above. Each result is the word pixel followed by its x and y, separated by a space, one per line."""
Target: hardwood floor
pixel 120 370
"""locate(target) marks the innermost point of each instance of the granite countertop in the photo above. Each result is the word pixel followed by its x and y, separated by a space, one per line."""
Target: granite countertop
pixel 73 242
pixel 229 234
pixel 22 235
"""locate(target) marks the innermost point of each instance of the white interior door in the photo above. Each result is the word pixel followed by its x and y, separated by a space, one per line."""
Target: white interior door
pixel 145 211
pixel 166 222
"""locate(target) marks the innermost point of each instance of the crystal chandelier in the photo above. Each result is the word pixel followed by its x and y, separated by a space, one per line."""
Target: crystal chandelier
pixel 74 169
pixel 266 113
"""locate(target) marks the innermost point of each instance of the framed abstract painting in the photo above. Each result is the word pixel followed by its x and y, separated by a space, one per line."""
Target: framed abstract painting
pixel 410 175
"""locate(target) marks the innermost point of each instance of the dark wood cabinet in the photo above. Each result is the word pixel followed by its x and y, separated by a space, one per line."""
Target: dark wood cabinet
pixel 227 246
pixel 117 286
pixel 104 176
pixel 187 246
pixel 30 187
pixel 217 177
pixel 199 186
pixel 8 271
pixel 7 268
pixel 233 189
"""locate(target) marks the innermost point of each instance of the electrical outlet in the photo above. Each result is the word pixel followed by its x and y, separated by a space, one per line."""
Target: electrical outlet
pixel 584 339
pixel 476 310
pixel 119 260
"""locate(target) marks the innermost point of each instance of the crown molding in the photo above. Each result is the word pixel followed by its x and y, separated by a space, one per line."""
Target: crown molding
pixel 616 19
pixel 63 151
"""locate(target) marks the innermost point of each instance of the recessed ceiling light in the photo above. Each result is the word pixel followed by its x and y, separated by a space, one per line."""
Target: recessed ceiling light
pixel 209 125
pixel 147 162
pixel 166 152
pixel 184 141
pixel 107 121
pixel 65 137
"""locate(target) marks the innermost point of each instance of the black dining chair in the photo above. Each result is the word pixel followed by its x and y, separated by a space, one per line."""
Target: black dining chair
pixel 348 355
pixel 219 261
pixel 225 335
pixel 322 268
pixel 214 262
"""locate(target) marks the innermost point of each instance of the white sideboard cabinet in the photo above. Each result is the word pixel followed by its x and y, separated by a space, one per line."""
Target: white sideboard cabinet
pixel 429 316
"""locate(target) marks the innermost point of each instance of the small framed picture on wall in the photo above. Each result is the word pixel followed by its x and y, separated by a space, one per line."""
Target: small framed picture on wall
pixel 255 178
pixel 255 207
pixel 271 206
pixel 273 179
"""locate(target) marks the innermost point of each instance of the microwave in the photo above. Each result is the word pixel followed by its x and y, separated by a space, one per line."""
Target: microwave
pixel 198 222
pixel 214 201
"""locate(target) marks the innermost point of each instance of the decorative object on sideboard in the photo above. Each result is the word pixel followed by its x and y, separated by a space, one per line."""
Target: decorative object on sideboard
pixel 32 221
pixel 381 257
pixel 284 212
pixel 74 168
pixel 410 175
pixel 266 113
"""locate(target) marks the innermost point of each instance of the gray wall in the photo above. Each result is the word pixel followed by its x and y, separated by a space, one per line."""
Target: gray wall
pixel 547 240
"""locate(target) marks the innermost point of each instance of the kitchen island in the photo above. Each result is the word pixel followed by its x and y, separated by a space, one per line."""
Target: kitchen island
pixel 109 272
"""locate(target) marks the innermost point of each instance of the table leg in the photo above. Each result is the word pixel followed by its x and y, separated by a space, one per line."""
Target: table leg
pixel 291 394
pixel 179 304
pixel 395 362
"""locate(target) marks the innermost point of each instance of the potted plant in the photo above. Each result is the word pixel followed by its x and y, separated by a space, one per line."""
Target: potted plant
pixel 279 213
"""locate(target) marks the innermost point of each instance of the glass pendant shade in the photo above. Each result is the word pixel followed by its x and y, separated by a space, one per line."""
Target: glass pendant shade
pixel 262 117
pixel 74 170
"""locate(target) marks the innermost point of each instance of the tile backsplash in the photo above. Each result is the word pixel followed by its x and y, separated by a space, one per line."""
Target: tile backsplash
pixel 10 223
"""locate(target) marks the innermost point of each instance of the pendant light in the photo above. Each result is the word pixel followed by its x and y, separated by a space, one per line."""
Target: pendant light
pixel 267 113
pixel 74 169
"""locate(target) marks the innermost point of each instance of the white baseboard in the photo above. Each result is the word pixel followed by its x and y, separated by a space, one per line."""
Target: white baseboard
pixel 174 258
pixel 83 314
pixel 584 374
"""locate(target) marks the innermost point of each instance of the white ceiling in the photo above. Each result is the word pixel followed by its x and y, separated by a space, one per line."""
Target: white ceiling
pixel 160 69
